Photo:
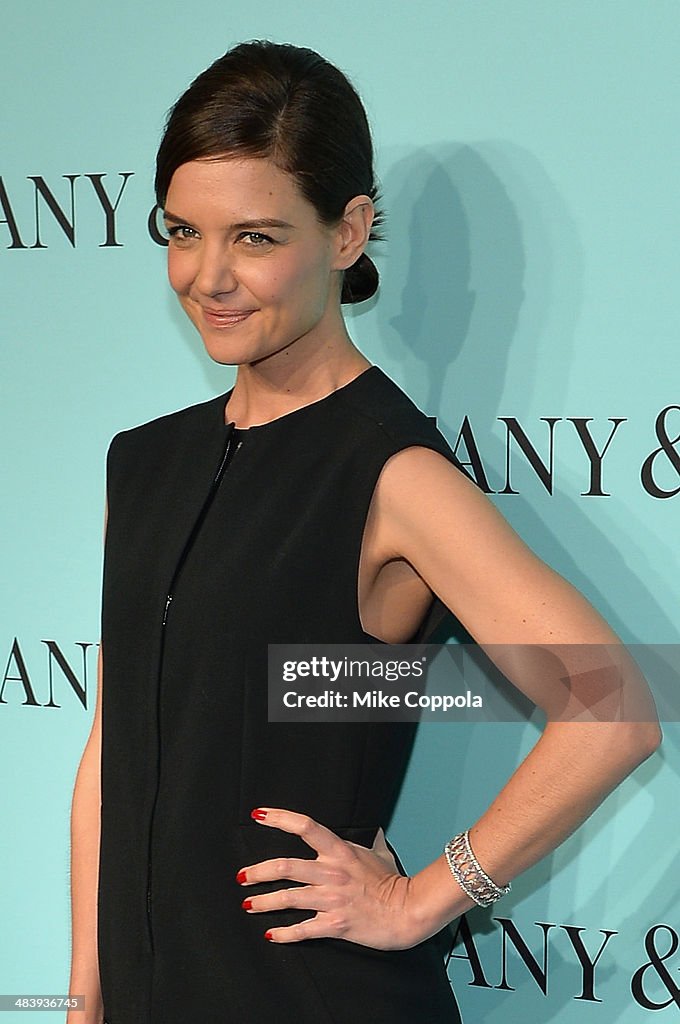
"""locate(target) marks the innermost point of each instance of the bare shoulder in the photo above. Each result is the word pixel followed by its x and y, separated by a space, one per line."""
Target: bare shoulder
pixel 435 517
pixel 420 464
pixel 420 485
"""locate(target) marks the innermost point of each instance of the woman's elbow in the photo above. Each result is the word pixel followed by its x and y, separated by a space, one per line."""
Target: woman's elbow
pixel 644 739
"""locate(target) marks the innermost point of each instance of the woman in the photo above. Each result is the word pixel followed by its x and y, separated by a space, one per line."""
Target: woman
pixel 243 873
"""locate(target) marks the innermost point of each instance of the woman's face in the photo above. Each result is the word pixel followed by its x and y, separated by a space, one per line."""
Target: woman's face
pixel 252 265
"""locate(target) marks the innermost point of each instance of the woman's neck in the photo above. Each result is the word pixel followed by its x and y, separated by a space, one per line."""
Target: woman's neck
pixel 278 385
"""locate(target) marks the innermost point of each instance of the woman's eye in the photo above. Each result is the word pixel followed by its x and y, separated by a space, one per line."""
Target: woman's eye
pixel 181 232
pixel 256 239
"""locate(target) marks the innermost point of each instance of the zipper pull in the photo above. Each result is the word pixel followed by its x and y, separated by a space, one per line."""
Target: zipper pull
pixel 165 611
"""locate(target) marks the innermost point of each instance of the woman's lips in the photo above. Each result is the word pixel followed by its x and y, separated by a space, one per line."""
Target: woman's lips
pixel 226 317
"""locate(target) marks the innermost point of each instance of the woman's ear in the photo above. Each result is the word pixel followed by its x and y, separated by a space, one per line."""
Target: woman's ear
pixel 353 231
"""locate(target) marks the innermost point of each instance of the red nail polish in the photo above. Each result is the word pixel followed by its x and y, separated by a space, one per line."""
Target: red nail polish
pixel 241 877
pixel 268 936
pixel 247 904
pixel 258 814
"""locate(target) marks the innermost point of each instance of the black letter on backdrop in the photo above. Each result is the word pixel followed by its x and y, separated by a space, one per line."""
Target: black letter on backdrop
pixel 544 473
pixel 66 225
pixel 9 219
pixel 475 463
pixel 587 965
pixel 154 230
pixel 667 446
pixel 21 678
pixel 55 654
pixel 538 973
pixel 595 457
pixel 109 210
pixel 463 931
pixel 657 962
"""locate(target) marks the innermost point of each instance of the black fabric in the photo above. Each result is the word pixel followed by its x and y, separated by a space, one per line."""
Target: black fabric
pixel 187 751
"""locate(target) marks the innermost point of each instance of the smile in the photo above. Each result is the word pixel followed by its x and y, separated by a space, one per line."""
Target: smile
pixel 225 317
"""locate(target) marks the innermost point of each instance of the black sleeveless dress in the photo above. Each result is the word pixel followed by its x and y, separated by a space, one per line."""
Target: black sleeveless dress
pixel 218 543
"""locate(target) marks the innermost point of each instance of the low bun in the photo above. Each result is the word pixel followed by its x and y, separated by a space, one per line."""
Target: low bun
pixel 361 280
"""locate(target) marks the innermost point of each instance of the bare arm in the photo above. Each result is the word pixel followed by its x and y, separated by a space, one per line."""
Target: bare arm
pixel 85 835
pixel 516 607
pixel 85 832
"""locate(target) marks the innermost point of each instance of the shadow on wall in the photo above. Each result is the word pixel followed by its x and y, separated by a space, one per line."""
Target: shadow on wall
pixel 481 288
pixel 469 280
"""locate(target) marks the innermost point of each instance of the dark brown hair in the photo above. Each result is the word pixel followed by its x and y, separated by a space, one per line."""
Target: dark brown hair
pixel 288 104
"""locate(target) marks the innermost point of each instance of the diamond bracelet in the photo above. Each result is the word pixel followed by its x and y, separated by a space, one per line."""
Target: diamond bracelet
pixel 467 871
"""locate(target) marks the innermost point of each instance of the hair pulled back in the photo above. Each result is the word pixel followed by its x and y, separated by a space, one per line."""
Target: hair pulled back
pixel 290 105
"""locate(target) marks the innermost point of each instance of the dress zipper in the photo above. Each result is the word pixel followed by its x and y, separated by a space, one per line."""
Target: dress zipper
pixel 230 450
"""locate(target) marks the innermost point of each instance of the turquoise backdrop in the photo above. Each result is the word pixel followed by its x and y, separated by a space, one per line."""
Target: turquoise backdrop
pixel 530 159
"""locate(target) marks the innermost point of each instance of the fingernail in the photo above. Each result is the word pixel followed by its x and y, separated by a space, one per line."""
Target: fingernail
pixel 241 877
pixel 247 904
pixel 268 936
pixel 258 814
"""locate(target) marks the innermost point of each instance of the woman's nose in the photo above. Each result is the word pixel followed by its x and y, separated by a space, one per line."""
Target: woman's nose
pixel 215 273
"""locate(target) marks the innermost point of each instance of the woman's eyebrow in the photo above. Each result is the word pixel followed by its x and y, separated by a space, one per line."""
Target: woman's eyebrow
pixel 264 222
pixel 245 225
pixel 173 217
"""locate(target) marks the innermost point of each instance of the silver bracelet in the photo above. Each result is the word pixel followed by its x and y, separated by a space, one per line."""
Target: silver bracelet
pixel 467 871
